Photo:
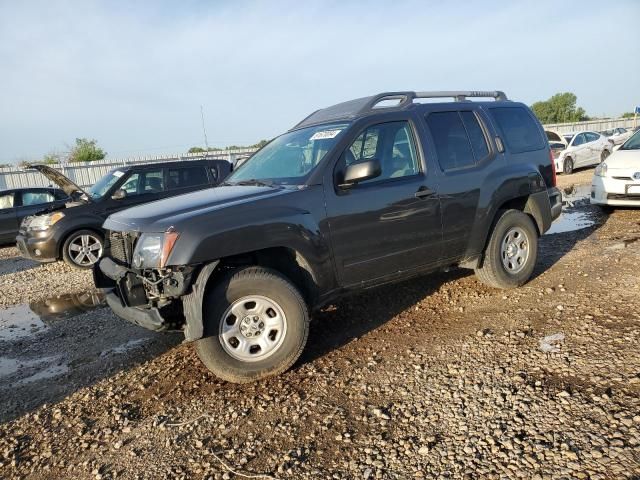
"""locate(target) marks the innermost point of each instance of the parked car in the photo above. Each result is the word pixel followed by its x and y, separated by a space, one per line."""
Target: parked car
pixel 19 203
pixel 73 231
pixel 354 196
pixel 583 150
pixel 617 136
pixel 616 182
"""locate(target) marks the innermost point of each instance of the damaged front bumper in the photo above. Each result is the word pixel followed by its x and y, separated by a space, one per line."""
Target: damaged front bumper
pixel 171 301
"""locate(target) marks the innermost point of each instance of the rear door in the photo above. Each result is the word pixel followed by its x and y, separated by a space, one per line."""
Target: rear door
pixel 595 147
pixel 8 219
pixel 581 152
pixel 187 178
pixel 459 137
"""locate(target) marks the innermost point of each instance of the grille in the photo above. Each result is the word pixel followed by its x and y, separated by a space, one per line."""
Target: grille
pixel 121 246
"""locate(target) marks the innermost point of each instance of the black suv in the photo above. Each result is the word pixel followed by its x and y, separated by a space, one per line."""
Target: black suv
pixel 356 195
pixel 76 235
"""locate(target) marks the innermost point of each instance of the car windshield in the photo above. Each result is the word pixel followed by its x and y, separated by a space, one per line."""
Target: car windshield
pixel 289 158
pixel 103 185
pixel 633 143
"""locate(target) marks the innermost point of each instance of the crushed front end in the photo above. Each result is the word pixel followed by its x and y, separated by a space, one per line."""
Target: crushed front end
pixel 149 296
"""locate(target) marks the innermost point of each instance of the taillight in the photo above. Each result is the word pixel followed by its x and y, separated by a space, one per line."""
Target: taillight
pixel 553 168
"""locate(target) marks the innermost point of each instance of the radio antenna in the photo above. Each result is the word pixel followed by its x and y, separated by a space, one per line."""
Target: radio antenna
pixel 204 130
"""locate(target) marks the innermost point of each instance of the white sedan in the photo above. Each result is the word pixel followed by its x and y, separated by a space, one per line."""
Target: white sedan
pixel 616 182
pixel 583 150
pixel 618 135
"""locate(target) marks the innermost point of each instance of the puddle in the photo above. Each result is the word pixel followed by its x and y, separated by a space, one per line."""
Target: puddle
pixel 19 322
pixel 49 372
pixel 571 221
pixel 9 366
pixel 125 347
pixel 576 194
pixel 68 305
pixel 28 320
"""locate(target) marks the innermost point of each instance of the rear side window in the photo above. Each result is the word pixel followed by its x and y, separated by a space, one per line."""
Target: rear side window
pixel 476 135
pixel 519 129
pixel 592 137
pixel 451 141
pixel 184 177
pixel 6 201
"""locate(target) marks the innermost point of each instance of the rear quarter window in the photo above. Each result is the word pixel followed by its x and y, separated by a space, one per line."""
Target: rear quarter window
pixel 518 128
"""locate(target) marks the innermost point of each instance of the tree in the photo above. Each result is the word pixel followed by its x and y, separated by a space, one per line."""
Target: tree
pixel 196 150
pixel 560 108
pixel 52 158
pixel 86 151
pixel 628 115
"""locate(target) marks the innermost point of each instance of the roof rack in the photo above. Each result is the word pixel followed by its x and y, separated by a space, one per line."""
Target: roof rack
pixel 359 106
pixel 406 98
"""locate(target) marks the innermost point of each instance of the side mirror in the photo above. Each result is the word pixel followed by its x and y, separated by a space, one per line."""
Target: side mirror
pixel 361 171
pixel 119 194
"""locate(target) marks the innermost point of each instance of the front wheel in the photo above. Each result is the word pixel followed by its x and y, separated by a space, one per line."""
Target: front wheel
pixel 511 253
pixel 82 249
pixel 256 325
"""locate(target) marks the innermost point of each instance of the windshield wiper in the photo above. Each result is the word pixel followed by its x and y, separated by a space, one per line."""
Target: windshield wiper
pixel 252 181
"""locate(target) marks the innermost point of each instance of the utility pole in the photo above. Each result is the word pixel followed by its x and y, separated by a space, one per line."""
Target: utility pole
pixel 204 130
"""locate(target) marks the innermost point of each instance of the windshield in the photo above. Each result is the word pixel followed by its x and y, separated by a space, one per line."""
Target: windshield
pixel 103 185
pixel 633 143
pixel 289 158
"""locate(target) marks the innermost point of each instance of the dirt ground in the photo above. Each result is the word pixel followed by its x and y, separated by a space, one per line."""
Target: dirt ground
pixel 437 377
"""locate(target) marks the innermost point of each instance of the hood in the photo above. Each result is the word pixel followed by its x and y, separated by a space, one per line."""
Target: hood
pixel 624 159
pixel 158 216
pixel 555 137
pixel 59 179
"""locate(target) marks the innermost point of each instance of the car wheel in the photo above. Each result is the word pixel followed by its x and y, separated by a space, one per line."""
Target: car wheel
pixel 603 156
pixel 567 166
pixel 256 325
pixel 511 253
pixel 82 249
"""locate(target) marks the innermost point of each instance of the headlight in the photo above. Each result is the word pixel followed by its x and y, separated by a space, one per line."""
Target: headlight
pixel 153 249
pixel 601 170
pixel 43 222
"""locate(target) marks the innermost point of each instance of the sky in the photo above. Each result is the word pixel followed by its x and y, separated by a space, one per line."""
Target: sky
pixel 133 75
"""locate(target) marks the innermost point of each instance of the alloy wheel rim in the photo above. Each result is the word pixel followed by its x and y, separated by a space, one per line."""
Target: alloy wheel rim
pixel 85 250
pixel 515 250
pixel 252 328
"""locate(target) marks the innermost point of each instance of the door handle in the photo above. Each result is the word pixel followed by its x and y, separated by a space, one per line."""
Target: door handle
pixel 424 192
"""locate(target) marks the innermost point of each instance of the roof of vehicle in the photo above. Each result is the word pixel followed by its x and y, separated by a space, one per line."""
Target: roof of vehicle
pixel 177 163
pixel 388 101
pixel 29 188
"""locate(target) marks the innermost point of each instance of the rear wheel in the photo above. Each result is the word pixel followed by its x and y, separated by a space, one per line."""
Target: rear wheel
pixel 567 167
pixel 82 249
pixel 511 253
pixel 256 325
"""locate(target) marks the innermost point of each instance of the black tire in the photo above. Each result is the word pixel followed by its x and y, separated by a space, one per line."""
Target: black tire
pixel 567 167
pixel 238 285
pixel 603 156
pixel 69 256
pixel 493 271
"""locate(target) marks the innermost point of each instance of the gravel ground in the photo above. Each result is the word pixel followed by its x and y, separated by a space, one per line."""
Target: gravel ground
pixel 434 377
pixel 24 281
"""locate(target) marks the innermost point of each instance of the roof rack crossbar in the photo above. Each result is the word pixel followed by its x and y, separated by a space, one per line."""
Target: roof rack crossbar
pixel 461 95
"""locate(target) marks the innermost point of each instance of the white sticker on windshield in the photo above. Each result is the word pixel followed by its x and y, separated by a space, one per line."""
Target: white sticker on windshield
pixel 118 173
pixel 325 134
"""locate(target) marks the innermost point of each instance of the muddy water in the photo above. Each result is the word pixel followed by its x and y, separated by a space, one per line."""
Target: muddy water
pixel 574 216
pixel 51 348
